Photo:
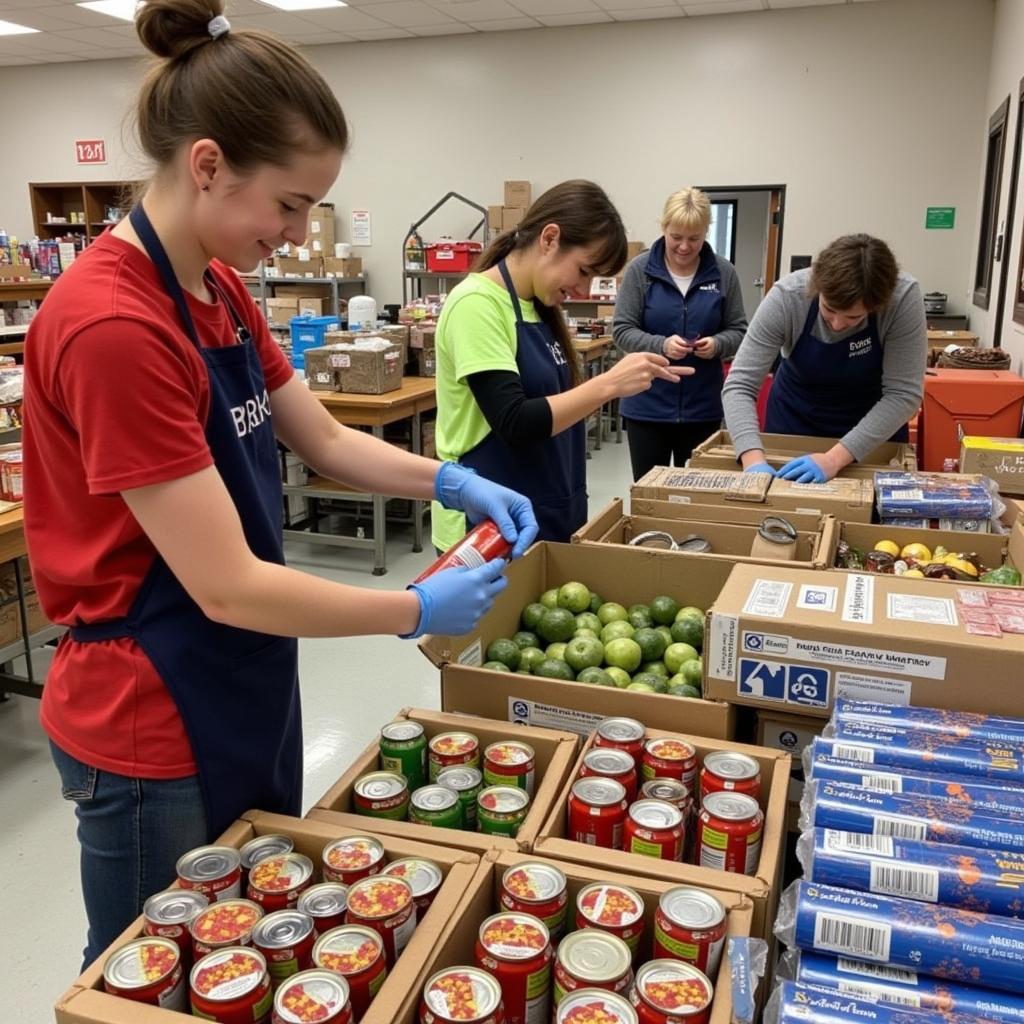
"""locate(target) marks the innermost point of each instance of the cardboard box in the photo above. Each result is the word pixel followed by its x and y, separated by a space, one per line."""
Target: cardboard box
pixel 321 229
pixel 350 266
pixel 292 266
pixel 314 306
pixel 85 1002
pixel 280 309
pixel 426 359
pixel 667 483
pixel 761 888
pixel 321 374
pixel 790 734
pixel 494 214
pixel 511 217
pixel 793 641
pixel 367 371
pixel 734 512
pixel 422 335
pixel 999 458
pixel 518 193
pixel 849 500
pixel 556 755
pixel 1014 511
pixel 627 575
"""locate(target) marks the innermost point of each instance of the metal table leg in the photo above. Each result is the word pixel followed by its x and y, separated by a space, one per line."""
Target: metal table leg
pixel 417 506
pixel 379 529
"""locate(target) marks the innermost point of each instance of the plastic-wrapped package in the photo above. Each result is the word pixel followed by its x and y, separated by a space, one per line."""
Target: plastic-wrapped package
pixel 936 496
pixel 747 961
pixel 954 724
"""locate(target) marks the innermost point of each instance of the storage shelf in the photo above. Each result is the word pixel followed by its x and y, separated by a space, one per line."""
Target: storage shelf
pixel 447 274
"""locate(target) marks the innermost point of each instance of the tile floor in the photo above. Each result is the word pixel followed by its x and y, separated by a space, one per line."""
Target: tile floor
pixel 44 924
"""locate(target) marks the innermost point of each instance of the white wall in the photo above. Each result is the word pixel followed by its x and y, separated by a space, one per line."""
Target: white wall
pixel 840 103
pixel 751 239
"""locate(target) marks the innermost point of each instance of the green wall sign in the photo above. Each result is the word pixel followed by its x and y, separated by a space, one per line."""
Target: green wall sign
pixel 937 217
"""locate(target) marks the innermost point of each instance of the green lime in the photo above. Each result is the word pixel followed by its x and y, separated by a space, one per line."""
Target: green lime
pixel 588 620
pixel 595 675
pixel 688 630
pixel 684 691
pixel 584 632
pixel 556 624
pixel 656 668
pixel 505 651
pixel 575 597
pixel 530 658
pixel 550 598
pixel 677 655
pixel 657 683
pixel 664 609
pixel 693 672
pixel 665 632
pixel 616 630
pixel 690 611
pixel 641 688
pixel 652 643
pixel 556 651
pixel 531 615
pixel 612 612
pixel 496 666
pixel 596 600
pixel 640 617
pixel 621 676
pixel 623 653
pixel 584 652
pixel 552 668
pixel 524 638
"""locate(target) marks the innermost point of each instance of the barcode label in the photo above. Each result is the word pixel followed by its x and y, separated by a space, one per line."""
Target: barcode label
pixel 913 883
pixel 855 842
pixel 882 783
pixel 711 858
pixel 854 752
pixel 889 996
pixel 835 934
pixel 885 971
pixel 901 828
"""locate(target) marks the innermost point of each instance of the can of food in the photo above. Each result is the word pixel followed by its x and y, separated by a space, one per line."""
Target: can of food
pixel 689 925
pixel 539 889
pixel 277 882
pixel 671 992
pixel 215 871
pixel 224 924
pixel 261 848
pixel 667 758
pixel 285 938
pixel 452 748
pixel 148 970
pixel 168 914
pixel 403 750
pixel 357 954
pixel 510 763
pixel 655 829
pixel 461 994
pixel 320 996
pixel 424 876
pixel 481 545
pixel 326 903
pixel 610 763
pixel 625 734
pixel 354 857
pixel 726 770
pixel 387 906
pixel 467 783
pixel 436 805
pixel 501 810
pixel 597 812
pixel 594 1006
pixel 382 795
pixel 729 829
pixel 232 986
pixel 673 792
pixel 612 908
pixel 516 949
pixel 591 958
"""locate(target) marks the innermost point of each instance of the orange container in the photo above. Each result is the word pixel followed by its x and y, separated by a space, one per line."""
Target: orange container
pixel 988 403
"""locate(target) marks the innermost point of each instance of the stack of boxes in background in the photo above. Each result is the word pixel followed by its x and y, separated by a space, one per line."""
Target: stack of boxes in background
pixel 320 255
pixel 507 217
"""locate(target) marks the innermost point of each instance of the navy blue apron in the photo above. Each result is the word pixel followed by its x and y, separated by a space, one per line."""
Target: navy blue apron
pixel 825 390
pixel 551 473
pixel 237 691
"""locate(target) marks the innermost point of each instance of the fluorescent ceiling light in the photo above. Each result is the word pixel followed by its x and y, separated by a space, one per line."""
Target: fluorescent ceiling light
pixel 124 9
pixel 303 5
pixel 8 28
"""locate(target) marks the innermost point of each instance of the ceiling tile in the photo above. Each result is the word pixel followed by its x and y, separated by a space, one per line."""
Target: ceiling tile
pixel 472 11
pixel 344 19
pixel 100 37
pixel 371 34
pixel 645 13
pixel 49 19
pixel 554 20
pixel 411 14
pixel 803 3
pixel 723 7
pixel 630 5
pixel 505 24
pixel 280 22
pixel 454 28
pixel 549 8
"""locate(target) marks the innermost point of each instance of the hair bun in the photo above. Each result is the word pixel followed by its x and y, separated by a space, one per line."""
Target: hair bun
pixel 174 28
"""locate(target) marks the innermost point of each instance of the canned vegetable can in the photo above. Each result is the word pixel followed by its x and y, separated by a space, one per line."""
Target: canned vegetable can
pixel 729 830
pixel 510 763
pixel 481 545
pixel 387 906
pixel 357 954
pixel 539 889
pixel 232 986
pixel 597 812
pixel 277 882
pixel 147 970
pixel 655 828
pixel 436 805
pixel 424 876
pixel 501 810
pixel 285 938
pixel 354 857
pixel 403 749
pixel 730 771
pixel 671 991
pixel 326 903
pixel 448 749
pixel 382 795
pixel 168 915
pixel 467 783
pixel 667 758
pixel 313 995
pixel 612 908
pixel 259 849
pixel 611 763
pixel 516 949
pixel 595 1006
pixel 690 925
pixel 462 994
pixel 224 924
pixel 592 958
pixel 215 871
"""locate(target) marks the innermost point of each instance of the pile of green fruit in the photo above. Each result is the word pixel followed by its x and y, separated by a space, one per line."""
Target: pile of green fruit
pixel 571 633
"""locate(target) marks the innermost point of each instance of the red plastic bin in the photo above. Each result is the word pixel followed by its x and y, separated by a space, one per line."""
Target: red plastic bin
pixel 451 257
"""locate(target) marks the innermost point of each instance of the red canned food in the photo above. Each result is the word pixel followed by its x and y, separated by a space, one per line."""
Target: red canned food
pixel 538 889
pixel 592 958
pixel 326 903
pixel 516 949
pixel 261 848
pixel 424 876
pixel 481 545
pixel 510 763
pixel 452 748
pixel 148 971
pixel 611 764
pixel 320 996
pixel 462 994
pixel 277 882
pixel 382 795
pixel 597 812
pixel 625 734
pixel 667 758
pixel 729 831
pixel 225 924
pixel 357 954
pixel 725 770
pixel 671 992
pixel 354 857
pixel 689 925
pixel 168 914
pixel 612 908
pixel 673 792
pixel 655 829
pixel 215 871
pixel 387 906
pixel 232 986
pixel 595 1006
pixel 285 938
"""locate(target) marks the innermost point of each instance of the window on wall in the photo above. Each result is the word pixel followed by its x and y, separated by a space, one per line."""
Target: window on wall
pixel 990 205
pixel 722 232
pixel 1018 288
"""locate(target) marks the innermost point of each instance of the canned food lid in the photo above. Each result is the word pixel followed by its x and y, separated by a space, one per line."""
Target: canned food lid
pixel 349 949
pixel 594 956
pixel 281 929
pixel 777 530
pixel 511 936
pixel 381 785
pixel 504 799
pixel 610 905
pixel 694 544
pixel 621 730
pixel 175 906
pixel 208 863
pixel 509 752
pixel 727 764
pixel 731 806
pixel 533 882
pixel 656 814
pixel 379 896
pixel 262 847
pixel 673 986
pixel 423 875
pixel 691 908
pixel 448 743
pixel 609 761
pixel 402 732
pixel 599 792
pixel 141 963
pixel 665 789
pixel 310 996
pixel 667 749
pixel 434 798
pixel 281 874
pixel 229 973
pixel 353 853
pixel 225 921
pixel 462 993
pixel 324 900
pixel 587 1005
pixel 460 777
pixel 657 539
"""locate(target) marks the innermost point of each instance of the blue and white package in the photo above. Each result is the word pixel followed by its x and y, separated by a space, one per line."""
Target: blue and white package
pixel 928 496
pixel 977 949
pixel 986 881
pixel 747 961
pixel 960 724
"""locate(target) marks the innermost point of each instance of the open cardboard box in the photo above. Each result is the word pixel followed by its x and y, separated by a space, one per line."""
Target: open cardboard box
pixel 457 945
pixel 794 640
pixel 87 1003
pixel 999 458
pixel 727 512
pixel 627 575
pixel 556 753
pixel 761 888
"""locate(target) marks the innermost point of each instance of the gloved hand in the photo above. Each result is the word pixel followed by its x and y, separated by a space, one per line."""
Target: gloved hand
pixel 804 470
pixel 453 601
pixel 760 467
pixel 458 487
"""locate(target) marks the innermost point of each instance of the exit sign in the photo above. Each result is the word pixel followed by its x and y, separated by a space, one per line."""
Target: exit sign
pixel 90 151
pixel 938 218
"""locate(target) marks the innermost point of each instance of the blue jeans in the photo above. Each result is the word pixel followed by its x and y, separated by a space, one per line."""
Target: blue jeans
pixel 131 833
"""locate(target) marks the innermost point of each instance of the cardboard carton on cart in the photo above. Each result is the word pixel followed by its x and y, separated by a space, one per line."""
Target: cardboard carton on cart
pixel 86 1002
pixel 732 513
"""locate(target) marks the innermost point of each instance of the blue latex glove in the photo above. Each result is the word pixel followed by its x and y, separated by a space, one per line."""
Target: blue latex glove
pixel 760 467
pixel 453 601
pixel 804 470
pixel 458 487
